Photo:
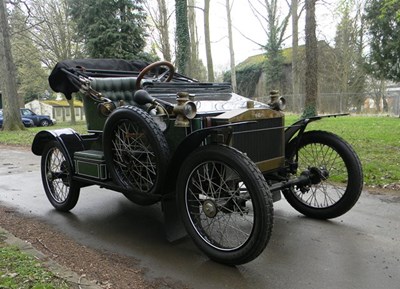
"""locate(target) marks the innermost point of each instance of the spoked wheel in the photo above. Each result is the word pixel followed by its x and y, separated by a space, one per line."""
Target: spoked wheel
pixel 225 204
pixel 340 172
pixel 61 190
pixel 136 152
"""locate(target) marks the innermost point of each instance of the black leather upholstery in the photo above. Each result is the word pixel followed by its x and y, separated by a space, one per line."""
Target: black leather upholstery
pixel 116 88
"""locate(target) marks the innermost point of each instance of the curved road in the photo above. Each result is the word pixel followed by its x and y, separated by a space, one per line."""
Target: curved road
pixel 358 250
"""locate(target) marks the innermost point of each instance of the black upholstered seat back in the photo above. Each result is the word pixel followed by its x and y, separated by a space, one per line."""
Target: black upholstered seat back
pixel 116 88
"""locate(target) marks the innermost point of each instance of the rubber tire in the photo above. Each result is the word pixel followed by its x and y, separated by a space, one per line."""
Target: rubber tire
pixel 354 170
pixel 73 188
pixel 44 122
pixel 260 195
pixel 159 146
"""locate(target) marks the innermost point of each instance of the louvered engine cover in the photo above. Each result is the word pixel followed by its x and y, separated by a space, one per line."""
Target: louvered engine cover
pixel 260 137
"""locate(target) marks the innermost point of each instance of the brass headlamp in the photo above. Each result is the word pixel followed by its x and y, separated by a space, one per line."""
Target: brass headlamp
pixel 184 110
pixel 276 102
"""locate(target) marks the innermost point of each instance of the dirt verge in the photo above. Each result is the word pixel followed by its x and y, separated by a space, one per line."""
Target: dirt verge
pixel 107 269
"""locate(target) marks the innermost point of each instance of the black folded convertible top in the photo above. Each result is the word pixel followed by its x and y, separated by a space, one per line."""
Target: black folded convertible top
pixel 60 81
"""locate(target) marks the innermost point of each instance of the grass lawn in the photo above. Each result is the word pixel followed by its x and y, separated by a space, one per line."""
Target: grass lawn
pixel 25 137
pixel 376 139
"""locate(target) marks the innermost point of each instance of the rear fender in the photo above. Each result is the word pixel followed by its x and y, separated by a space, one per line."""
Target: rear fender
pixel 69 139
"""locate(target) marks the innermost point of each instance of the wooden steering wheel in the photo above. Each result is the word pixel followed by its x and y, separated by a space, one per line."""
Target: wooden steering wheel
pixel 159 78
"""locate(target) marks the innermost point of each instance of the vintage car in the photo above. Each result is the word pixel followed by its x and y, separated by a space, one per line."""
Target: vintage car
pixel 215 160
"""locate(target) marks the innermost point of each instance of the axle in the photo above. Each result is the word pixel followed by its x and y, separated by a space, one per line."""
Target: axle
pixel 309 177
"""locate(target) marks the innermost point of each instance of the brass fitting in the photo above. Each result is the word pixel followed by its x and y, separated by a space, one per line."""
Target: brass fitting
pixel 276 102
pixel 184 109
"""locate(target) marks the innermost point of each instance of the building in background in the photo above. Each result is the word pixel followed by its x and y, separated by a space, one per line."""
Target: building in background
pixel 57 109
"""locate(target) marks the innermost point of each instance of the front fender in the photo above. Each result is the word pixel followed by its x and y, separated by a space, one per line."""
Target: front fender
pixel 69 139
pixel 301 124
pixel 193 141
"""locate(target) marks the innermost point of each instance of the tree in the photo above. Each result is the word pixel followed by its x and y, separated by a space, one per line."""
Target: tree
pixel 295 53
pixel 207 37
pixel 53 31
pixel 182 37
pixel 231 51
pixel 111 29
pixel 275 30
pixel 196 67
pixel 378 89
pixel 11 114
pixel 310 105
pixel 383 24
pixel 349 57
pixel 160 18
pixel 31 75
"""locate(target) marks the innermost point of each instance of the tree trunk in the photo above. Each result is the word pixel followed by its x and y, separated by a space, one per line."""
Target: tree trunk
pixel 194 41
pixel 164 31
pixel 359 100
pixel 72 109
pixel 381 99
pixel 210 66
pixel 231 51
pixel 295 60
pixel 310 106
pixel 11 112
pixel 182 37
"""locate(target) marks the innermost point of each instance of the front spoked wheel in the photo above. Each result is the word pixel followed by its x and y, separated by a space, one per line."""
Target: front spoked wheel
pixel 225 203
pixel 56 169
pixel 340 172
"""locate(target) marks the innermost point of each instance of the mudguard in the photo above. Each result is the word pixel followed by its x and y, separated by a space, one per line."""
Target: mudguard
pixel 173 223
pixel 301 125
pixel 69 139
pixel 193 141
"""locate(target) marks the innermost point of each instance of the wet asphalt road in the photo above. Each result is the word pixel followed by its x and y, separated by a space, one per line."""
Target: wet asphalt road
pixel 358 250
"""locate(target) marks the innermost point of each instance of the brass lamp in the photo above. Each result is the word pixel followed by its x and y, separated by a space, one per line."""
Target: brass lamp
pixel 184 110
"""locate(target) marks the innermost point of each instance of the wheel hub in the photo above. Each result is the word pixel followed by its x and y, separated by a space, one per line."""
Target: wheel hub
pixel 49 176
pixel 210 209
pixel 318 174
pixel 64 173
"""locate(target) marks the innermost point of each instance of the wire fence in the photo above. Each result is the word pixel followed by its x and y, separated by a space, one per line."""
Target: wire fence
pixel 342 103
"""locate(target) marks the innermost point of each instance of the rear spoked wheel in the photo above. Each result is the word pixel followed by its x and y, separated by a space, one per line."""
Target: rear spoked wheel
pixel 225 204
pixel 136 153
pixel 56 169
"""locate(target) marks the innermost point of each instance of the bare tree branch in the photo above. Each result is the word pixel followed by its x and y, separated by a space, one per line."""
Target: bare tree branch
pixel 248 38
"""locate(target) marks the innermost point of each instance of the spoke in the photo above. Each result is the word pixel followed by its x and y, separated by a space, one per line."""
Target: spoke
pixel 327 192
pixel 133 156
pixel 227 227
pixel 57 175
pixel 231 226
